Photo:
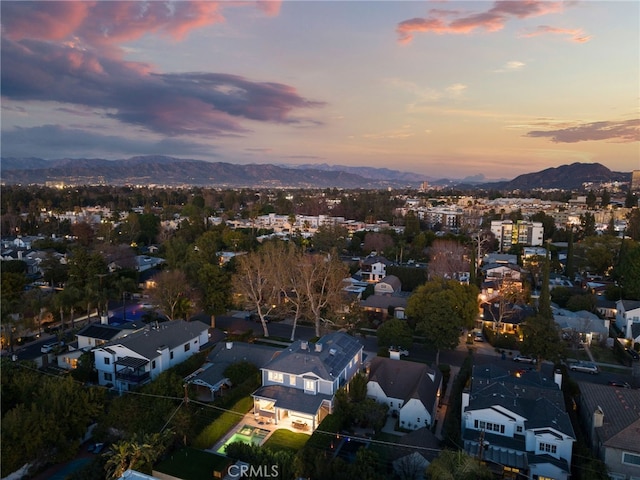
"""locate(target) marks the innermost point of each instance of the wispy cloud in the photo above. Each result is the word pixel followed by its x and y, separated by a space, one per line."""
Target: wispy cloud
pixel 621 131
pixel 512 66
pixel 573 35
pixel 442 21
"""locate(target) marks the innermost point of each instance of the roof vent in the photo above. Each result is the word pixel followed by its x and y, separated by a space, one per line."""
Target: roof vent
pixel 318 347
pixel 304 345
pixel 332 351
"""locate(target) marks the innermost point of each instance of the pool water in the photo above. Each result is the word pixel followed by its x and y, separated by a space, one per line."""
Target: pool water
pixel 247 434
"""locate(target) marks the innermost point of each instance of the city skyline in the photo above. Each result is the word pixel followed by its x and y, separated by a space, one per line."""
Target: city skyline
pixel 443 89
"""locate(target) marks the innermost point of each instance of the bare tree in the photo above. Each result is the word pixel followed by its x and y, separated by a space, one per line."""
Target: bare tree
pixel 447 259
pixel 256 282
pixel 169 292
pixel 504 305
pixel 288 277
pixel 321 284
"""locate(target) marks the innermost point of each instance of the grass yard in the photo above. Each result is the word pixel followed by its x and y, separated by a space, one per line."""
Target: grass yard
pixel 283 439
pixel 192 464
pixel 221 425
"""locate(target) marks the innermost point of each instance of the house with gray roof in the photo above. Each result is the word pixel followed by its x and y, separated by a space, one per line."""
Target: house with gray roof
pixel 374 268
pixel 210 378
pixel 411 390
pixel 612 418
pixel 517 422
pixel 298 384
pixel 141 356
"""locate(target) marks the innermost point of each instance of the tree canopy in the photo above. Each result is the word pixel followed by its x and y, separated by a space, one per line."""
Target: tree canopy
pixel 441 308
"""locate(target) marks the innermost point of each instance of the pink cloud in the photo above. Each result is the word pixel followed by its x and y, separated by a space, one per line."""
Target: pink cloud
pixel 112 22
pixel 575 35
pixel 621 131
pixel 491 20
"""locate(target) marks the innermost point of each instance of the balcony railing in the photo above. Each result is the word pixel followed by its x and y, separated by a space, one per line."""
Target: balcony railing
pixel 133 377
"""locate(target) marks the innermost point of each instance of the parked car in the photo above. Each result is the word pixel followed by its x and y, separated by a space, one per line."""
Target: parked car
pixel 585 367
pixel 615 383
pixel 635 355
pixel 525 359
pixel 478 337
pixel 49 347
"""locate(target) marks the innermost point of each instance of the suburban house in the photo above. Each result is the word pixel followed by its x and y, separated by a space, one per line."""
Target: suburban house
pixel 587 325
pixel 612 417
pixel 299 384
pixel 503 316
pixel 516 422
pixel 374 268
pixel 388 297
pixel 628 318
pixel 412 453
pixel 210 379
pixel 91 336
pixel 140 357
pixel 411 390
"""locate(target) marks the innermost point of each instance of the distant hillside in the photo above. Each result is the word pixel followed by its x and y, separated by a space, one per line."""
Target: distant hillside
pixel 161 170
pixel 367 172
pixel 565 177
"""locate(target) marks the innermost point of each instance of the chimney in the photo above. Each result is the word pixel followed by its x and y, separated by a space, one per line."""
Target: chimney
pixel 304 345
pixel 104 319
pixel 394 354
pixel 19 254
pixel 229 345
pixel 598 417
pixel 557 378
pixel 318 347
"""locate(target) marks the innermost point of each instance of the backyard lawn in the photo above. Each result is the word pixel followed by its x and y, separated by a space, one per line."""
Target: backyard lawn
pixel 192 464
pixel 283 439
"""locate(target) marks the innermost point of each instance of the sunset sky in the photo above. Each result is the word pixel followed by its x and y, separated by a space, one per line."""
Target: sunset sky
pixel 443 89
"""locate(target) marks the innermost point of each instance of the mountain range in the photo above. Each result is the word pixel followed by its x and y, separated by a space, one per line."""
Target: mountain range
pixel 170 171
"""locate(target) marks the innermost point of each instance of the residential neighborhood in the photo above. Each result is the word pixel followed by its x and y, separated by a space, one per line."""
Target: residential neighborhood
pixel 367 343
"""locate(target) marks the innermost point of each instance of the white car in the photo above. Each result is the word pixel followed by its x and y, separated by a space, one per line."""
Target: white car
pixel 525 359
pixel 585 367
pixel 48 347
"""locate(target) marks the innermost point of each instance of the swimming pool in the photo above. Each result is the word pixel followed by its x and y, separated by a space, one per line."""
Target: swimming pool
pixel 246 434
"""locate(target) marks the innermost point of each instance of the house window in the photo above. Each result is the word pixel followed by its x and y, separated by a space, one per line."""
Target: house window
pixel 171 354
pixel 292 380
pixel 310 386
pixel 108 377
pixel 153 364
pixel 276 377
pixel 107 361
pixel 519 429
pixel 547 448
pixel 187 347
pixel 631 459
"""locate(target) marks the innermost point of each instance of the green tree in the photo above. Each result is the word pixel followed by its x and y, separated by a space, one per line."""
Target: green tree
pixel 569 267
pixel 330 237
pixel 544 302
pixel 628 272
pixel 605 198
pixel 587 225
pixel 358 388
pixel 395 332
pixel 441 309
pixel 591 199
pixel 541 339
pixel 633 224
pixel 457 465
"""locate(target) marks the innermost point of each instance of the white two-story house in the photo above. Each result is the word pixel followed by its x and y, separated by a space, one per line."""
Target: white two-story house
pixel 517 423
pixel 628 318
pixel 299 384
pixel 374 268
pixel 140 357
pixel 411 390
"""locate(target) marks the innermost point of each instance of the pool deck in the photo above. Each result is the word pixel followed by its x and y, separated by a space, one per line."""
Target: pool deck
pixel 251 420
